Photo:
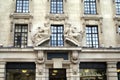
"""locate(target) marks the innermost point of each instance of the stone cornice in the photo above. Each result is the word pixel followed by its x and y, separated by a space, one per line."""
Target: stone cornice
pixel 100 50
pixel 83 50
pixel 2 49
pixel 58 48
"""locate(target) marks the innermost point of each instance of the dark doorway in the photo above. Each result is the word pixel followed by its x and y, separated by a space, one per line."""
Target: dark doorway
pixel 57 74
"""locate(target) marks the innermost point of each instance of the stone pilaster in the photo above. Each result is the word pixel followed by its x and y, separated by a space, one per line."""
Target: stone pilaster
pixel 2 70
pixel 75 66
pixel 40 66
pixel 112 71
pixel 74 72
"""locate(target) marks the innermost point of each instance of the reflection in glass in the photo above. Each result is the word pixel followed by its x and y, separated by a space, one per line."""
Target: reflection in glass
pixel 20 37
pixel 20 74
pixel 118 72
pixel 92 74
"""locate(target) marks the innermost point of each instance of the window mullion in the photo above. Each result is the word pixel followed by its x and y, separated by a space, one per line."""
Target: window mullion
pixel 22 5
pixel 56 6
pixel 95 7
pixel 21 36
pixel 89 6
pixel 92 36
pixel 57 35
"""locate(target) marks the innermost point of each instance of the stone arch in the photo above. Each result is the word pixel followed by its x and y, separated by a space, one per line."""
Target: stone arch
pixel 73 41
pixel 42 41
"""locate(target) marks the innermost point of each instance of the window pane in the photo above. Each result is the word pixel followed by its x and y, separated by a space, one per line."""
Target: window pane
pixel 92 36
pixel 56 6
pixel 90 7
pixel 22 6
pixel 57 35
pixel 20 35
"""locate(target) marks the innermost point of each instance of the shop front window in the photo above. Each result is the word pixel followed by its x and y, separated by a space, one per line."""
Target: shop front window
pixel 118 70
pixel 92 74
pixel 20 72
pixel 92 71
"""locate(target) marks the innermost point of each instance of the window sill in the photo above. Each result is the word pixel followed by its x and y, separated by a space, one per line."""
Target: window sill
pixel 21 15
pixel 91 17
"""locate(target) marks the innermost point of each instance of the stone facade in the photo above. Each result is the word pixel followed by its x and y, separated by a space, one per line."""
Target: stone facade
pixel 39 20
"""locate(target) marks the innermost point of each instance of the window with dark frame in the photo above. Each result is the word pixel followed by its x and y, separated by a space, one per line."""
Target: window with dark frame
pixel 119 29
pixel 117 4
pixel 51 55
pixel 22 6
pixel 56 6
pixel 90 7
pixel 92 39
pixel 57 37
pixel 20 35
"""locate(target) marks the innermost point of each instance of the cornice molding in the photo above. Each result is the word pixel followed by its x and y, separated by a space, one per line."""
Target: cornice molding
pixel 101 50
pixel 21 16
pixel 57 48
pixel 11 49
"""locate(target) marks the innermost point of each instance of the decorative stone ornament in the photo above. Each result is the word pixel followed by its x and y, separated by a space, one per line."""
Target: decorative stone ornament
pixel 73 34
pixel 42 33
pixel 40 57
pixel 56 17
pixel 40 60
pixel 75 57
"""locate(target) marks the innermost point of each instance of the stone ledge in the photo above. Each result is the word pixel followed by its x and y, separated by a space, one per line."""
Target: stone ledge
pixel 58 48
pixel 101 50
pixel 10 49
pixel 21 15
pixel 92 17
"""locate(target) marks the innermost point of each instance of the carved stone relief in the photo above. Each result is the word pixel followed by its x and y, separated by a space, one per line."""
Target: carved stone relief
pixel 73 33
pixel 56 17
pixel 42 33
